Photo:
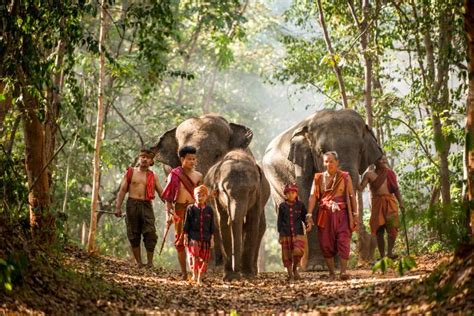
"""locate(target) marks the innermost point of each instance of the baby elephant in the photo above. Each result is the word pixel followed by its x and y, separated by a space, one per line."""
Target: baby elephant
pixel 241 192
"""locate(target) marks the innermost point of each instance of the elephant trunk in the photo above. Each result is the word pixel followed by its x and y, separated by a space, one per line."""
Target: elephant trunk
pixel 235 212
pixel 228 204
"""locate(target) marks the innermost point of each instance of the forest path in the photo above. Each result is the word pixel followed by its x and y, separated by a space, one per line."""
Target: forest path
pixel 83 284
pixel 158 290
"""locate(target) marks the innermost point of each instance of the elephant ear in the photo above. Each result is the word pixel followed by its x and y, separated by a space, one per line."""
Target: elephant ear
pixel 241 136
pixel 211 179
pixel 300 149
pixel 166 150
pixel 371 150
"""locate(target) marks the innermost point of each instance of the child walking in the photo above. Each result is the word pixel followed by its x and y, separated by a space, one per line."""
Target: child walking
pixel 199 233
pixel 291 218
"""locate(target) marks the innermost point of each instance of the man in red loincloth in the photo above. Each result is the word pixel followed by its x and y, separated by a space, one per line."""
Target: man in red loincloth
pixel 384 211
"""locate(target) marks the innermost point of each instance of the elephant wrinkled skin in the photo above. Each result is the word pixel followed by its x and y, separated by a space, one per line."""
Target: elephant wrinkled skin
pixel 296 154
pixel 242 192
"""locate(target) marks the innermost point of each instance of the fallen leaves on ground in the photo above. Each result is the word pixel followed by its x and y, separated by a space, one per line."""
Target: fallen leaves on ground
pixel 109 285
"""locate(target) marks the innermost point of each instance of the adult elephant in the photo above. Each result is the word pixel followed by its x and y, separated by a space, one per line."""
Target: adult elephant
pixel 242 192
pixel 211 134
pixel 296 154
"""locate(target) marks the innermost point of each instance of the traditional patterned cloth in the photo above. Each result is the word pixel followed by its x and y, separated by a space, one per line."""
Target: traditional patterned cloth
pixel 335 236
pixel 291 218
pixel 170 194
pixel 150 183
pixel 292 249
pixel 140 221
pixel 290 187
pixel 334 218
pixel 178 218
pixel 199 226
pixel 175 178
pixel 384 212
pixel 200 252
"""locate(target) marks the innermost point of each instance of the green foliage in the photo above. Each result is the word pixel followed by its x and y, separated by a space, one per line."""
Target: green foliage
pixel 6 271
pixel 401 266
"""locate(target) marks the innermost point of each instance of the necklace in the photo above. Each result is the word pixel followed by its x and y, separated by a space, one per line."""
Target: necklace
pixel 326 179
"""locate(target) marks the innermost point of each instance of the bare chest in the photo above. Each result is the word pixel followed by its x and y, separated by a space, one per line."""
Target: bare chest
pixel 138 179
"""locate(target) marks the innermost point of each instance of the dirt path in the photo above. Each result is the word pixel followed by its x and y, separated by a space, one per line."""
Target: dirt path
pixel 125 289
pixel 161 291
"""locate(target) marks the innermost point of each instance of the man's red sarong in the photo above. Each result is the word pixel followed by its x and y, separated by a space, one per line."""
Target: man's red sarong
pixel 334 231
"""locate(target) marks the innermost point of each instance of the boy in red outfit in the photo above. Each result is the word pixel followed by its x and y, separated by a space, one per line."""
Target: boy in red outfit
pixel 199 233
pixel 291 218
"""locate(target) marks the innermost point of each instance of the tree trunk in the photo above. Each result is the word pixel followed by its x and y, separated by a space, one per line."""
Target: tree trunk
pixel 438 93
pixel 364 41
pixel 187 59
pixel 469 150
pixel 337 70
pixel 41 220
pixel 210 93
pixel 98 132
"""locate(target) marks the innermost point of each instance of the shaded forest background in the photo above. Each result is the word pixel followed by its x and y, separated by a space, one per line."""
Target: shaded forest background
pixel 265 64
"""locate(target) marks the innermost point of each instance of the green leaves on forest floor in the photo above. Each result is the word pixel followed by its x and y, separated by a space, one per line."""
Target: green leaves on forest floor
pixel 402 265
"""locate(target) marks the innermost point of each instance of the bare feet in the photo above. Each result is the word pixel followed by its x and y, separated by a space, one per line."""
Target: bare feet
pixel 332 276
pixel 344 276
pixel 296 275
pixel 184 276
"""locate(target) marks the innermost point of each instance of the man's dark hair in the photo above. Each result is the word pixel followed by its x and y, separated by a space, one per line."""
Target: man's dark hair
pixel 147 151
pixel 183 151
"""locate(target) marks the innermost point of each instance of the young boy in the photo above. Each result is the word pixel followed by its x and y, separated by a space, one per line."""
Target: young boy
pixel 291 218
pixel 199 233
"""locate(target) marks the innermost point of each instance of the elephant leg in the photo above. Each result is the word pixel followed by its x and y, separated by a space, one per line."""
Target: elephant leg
pixel 237 231
pixel 251 242
pixel 230 271
pixel 262 226
pixel 218 257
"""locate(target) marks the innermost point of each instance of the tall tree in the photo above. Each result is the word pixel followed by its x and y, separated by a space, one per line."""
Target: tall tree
pixel 469 149
pixel 99 129
pixel 333 57
pixel 32 36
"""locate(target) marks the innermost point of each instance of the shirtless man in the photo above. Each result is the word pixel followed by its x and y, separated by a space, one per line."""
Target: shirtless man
pixel 178 194
pixel 384 196
pixel 140 183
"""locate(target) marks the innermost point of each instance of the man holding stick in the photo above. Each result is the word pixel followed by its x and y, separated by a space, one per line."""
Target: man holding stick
pixel 178 194
pixel 140 183
pixel 384 210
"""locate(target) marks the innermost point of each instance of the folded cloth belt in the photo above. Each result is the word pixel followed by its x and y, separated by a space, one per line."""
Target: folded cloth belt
pixel 328 206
